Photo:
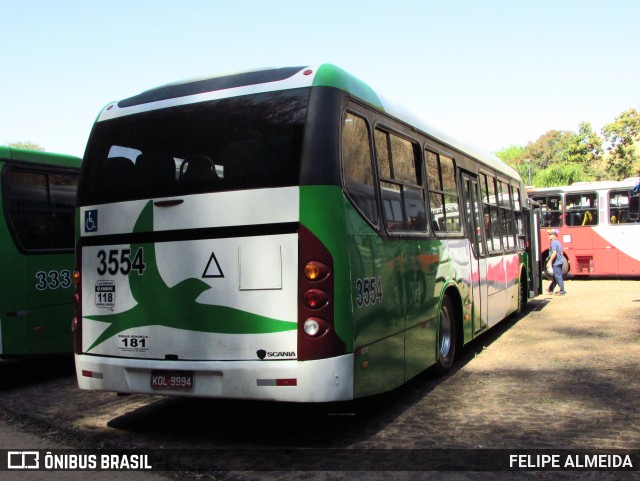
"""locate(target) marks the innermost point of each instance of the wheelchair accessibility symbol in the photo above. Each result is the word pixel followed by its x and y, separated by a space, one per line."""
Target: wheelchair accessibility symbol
pixel 91 220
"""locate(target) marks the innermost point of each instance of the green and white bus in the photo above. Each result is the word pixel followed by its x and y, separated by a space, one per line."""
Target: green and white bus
pixel 287 234
pixel 38 196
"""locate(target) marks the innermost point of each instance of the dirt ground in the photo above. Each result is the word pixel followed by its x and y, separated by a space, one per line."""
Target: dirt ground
pixel 565 375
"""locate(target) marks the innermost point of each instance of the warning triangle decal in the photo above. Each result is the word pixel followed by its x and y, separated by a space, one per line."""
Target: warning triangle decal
pixel 213 268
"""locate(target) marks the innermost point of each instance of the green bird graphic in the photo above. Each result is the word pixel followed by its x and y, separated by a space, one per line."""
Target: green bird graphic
pixel 161 305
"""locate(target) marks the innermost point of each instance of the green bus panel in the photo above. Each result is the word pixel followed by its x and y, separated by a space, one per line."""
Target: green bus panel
pixel 387 291
pixel 36 289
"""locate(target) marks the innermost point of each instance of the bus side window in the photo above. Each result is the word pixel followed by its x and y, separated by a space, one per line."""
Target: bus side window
pixel 506 215
pixel 551 210
pixel 582 209
pixel 519 223
pixel 443 192
pixel 572 218
pixel 490 208
pixel 400 183
pixel 357 169
pixel 620 207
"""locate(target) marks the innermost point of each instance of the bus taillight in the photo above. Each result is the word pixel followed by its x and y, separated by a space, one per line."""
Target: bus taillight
pixel 76 323
pixel 315 298
pixel 316 271
pixel 317 338
pixel 314 326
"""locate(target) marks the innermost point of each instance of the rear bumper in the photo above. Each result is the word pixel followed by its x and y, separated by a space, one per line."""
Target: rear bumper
pixel 323 380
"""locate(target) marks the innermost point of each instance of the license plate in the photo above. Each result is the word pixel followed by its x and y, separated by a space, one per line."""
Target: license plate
pixel 172 380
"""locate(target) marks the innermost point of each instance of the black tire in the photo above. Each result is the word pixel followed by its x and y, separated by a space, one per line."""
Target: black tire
pixel 565 267
pixel 547 273
pixel 447 336
pixel 523 294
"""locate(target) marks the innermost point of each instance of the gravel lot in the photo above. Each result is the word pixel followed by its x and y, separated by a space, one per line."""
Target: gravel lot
pixel 565 375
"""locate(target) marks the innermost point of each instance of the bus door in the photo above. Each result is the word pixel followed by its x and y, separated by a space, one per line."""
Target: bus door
pixel 478 255
pixel 532 219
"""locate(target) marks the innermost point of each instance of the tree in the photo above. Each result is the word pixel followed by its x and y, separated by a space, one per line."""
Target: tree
pixel 561 174
pixel 549 148
pixel 27 145
pixel 563 157
pixel 585 147
pixel 514 156
pixel 621 134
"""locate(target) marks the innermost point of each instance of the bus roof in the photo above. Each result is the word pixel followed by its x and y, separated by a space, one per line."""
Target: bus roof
pixel 327 75
pixel 39 157
pixel 583 186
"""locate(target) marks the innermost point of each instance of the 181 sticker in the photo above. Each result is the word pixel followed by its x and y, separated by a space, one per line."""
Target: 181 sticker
pixel 133 342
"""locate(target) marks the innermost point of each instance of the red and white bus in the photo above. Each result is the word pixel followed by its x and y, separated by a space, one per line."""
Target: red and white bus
pixel 598 224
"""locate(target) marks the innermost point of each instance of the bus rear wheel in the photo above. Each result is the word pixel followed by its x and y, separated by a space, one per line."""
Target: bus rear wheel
pixel 446 337
pixel 565 267
pixel 523 294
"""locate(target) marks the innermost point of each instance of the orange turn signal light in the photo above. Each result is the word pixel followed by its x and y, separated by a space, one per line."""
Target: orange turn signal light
pixel 316 271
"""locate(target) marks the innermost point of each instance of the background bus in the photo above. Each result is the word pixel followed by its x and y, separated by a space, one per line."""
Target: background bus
pixel 38 193
pixel 598 229
pixel 239 238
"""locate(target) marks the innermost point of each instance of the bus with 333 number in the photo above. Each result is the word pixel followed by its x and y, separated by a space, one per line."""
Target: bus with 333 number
pixel 38 193
pixel 287 234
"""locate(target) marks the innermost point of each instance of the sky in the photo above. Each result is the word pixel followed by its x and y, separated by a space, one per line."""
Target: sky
pixel 496 73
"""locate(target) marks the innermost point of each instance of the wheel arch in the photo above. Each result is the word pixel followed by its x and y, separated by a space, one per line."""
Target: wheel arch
pixel 523 290
pixel 567 258
pixel 452 292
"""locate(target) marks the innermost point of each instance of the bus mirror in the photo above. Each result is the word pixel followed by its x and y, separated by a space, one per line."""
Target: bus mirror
pixel 634 208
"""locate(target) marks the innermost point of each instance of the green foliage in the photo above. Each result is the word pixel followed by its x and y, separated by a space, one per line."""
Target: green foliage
pixel 514 156
pixel 549 148
pixel 623 161
pixel 511 154
pixel 622 134
pixel 525 172
pixel 26 145
pixel 624 130
pixel 564 157
pixel 585 147
pixel 561 174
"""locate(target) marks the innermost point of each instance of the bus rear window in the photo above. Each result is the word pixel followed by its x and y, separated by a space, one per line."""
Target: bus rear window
pixel 247 142
pixel 40 206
